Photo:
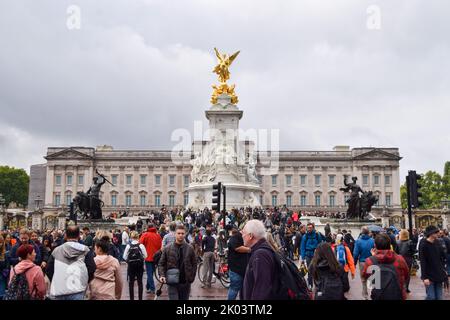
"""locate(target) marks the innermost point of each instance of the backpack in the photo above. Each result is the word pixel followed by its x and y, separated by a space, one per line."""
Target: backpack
pixel 340 255
pixel 18 288
pixel 290 284
pixel 389 286
pixel 330 287
pixel 135 257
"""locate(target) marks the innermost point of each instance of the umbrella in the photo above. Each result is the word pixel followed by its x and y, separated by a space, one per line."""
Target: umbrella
pixel 159 292
pixel 375 228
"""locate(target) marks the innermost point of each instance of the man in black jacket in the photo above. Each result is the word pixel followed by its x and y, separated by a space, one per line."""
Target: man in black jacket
pixel 432 264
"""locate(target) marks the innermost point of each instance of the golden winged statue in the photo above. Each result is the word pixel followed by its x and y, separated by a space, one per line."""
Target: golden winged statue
pixel 221 69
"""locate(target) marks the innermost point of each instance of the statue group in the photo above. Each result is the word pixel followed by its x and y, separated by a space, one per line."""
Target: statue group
pixel 360 202
pixel 88 205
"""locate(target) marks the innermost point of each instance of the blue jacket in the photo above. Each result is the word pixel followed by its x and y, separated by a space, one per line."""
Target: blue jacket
pixel 309 243
pixel 363 245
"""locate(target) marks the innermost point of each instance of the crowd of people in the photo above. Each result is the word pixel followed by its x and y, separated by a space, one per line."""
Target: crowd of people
pixel 76 264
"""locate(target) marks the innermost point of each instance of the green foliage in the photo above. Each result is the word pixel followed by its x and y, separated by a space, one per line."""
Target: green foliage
pixel 446 178
pixel 432 190
pixel 404 196
pixel 14 185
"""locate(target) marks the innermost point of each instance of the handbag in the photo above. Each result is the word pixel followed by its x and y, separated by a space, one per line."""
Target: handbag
pixel 173 276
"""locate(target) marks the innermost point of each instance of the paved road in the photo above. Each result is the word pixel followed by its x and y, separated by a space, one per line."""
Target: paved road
pixel 218 292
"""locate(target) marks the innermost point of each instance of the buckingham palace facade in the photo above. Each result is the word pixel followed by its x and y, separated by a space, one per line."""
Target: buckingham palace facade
pixel 144 180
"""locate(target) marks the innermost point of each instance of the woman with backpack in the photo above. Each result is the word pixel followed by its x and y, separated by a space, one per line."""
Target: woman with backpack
pixel 407 250
pixel 345 258
pixel 135 254
pixel 327 274
pixel 26 280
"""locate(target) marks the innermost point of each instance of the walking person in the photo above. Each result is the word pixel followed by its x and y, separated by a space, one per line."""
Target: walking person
pixel 107 282
pixel 406 248
pixel 33 274
pixel 152 243
pixel 4 267
pixel 178 266
pixel 70 268
pixel 260 275
pixel 24 238
pixel 327 273
pixel 237 263
pixel 208 251
pixel 309 243
pixel 392 269
pixel 135 255
pixel 125 239
pixel 362 251
pixel 345 258
pixel 432 264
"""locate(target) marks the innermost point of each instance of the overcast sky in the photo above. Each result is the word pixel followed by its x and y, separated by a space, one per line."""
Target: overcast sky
pixel 319 71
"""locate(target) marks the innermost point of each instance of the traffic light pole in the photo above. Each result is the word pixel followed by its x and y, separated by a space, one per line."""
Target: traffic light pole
pixel 408 193
pixel 224 193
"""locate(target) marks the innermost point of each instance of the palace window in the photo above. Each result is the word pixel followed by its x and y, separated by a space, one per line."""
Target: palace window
pixel 317 180
pixel 376 180
pixel 288 200
pixel 57 199
pixel 365 179
pixel 388 200
pixel 58 180
pixel 331 179
pixel 332 200
pixel 129 179
pixel 317 200
pixel 303 180
pixel 143 180
pixel 128 200
pixel 186 181
pixel 186 199
pixel 387 180
pixel 171 200
pixel 274 200
pixel 69 180
pixel 288 180
pixel 113 200
pixel 143 200
pixel 68 198
pixel 303 200
pixel 158 180
pixel 157 200
pixel 172 180
pixel 274 180
pixel 81 180
pixel 114 179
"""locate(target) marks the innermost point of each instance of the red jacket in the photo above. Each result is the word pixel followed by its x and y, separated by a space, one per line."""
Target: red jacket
pixel 389 256
pixel 152 242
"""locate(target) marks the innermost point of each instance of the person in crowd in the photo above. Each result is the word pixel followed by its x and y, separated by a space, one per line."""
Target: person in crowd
pixel 392 284
pixel 446 239
pixel 260 274
pixel 44 253
pixel 74 269
pixel 208 252
pixel 106 236
pixel 135 255
pixel 107 282
pixel 406 248
pixel 162 231
pixel 24 238
pixel 327 273
pixel 348 239
pixel 237 263
pixel 33 273
pixel 432 264
pixel 177 266
pixel 363 250
pixel 345 258
pixel 170 237
pixel 124 240
pixel 88 240
pixel 309 243
pixel 4 267
pixel 152 243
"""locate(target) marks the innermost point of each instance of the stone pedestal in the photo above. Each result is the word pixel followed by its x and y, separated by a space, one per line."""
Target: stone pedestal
pixel 224 159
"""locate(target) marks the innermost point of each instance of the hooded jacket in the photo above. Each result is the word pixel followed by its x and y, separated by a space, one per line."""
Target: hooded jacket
pixel 363 245
pixel 34 275
pixel 107 282
pixel 152 243
pixel 390 257
pixel 70 267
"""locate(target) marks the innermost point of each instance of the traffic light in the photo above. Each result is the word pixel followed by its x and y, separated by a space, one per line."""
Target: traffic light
pixel 414 189
pixel 217 191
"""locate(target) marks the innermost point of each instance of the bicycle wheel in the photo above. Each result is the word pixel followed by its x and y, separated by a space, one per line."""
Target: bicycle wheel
pixel 225 280
pixel 200 272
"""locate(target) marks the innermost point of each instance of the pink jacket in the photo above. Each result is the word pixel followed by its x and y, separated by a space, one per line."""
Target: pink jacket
pixel 34 275
pixel 107 282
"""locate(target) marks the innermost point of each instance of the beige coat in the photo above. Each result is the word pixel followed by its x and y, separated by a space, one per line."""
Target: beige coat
pixel 107 282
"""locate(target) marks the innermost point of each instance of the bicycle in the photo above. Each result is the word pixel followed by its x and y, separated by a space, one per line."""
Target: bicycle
pixel 221 273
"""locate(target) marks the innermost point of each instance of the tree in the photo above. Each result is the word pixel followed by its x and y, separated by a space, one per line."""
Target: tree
pixel 404 196
pixel 432 189
pixel 14 185
pixel 446 179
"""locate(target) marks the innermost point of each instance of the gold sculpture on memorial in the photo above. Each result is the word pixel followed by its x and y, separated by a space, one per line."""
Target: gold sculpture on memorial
pixel 224 61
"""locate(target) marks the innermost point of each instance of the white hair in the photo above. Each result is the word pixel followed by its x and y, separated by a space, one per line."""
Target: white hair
pixel 256 228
